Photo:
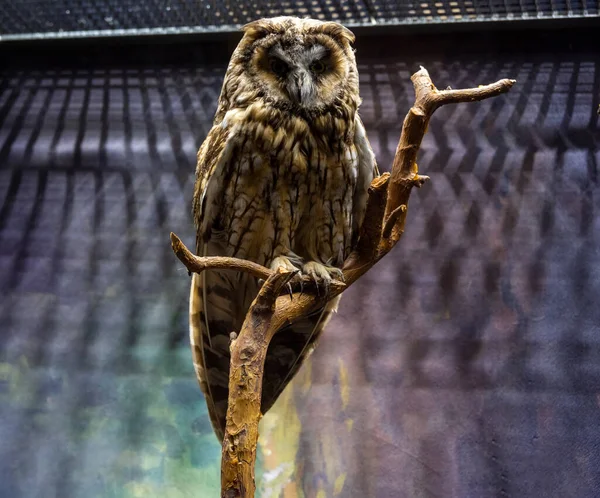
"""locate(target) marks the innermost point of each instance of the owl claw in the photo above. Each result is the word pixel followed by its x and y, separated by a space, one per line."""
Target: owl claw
pixel 326 283
pixel 283 263
pixel 301 287
pixel 322 275
pixel 298 282
pixel 336 273
pixel 316 281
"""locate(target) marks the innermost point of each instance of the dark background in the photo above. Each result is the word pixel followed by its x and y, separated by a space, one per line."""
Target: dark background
pixel 466 364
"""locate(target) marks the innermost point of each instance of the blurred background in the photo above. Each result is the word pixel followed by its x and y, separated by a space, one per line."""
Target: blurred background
pixel 465 364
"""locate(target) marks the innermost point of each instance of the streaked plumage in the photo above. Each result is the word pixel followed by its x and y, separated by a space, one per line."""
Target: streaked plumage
pixel 282 180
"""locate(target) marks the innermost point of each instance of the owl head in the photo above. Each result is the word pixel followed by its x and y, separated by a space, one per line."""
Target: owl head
pixel 293 63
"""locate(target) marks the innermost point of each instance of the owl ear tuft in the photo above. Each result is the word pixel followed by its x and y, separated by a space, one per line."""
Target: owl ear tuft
pixel 257 29
pixel 338 32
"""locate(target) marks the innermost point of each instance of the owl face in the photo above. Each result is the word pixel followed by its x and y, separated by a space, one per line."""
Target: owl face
pixel 305 72
pixel 300 63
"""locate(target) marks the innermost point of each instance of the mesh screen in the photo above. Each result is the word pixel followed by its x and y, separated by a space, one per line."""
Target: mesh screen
pixel 50 18
pixel 472 350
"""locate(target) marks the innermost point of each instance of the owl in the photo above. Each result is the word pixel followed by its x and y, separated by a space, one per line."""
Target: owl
pixel 281 180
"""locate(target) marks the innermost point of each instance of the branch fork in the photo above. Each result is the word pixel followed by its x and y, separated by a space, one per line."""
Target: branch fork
pixel 385 217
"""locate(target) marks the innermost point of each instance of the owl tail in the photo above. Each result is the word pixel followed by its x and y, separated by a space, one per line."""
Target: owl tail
pixel 215 312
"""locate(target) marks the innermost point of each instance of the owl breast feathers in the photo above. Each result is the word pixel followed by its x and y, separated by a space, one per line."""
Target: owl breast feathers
pixel 282 180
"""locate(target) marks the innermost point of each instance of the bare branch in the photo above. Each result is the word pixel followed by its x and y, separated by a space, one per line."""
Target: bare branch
pixel 196 264
pixel 392 220
pixel 248 353
pixel 428 99
pixel 370 231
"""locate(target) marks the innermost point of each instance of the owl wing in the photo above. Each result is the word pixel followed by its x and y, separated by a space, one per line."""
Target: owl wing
pixel 215 295
pixel 209 333
pixel 367 170
pixel 293 344
pixel 288 350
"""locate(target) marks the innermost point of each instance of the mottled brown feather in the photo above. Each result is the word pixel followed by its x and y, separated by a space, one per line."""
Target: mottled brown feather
pixel 276 178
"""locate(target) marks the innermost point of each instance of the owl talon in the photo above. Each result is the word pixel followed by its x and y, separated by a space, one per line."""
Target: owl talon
pixel 316 281
pixel 337 274
pixel 283 263
pixel 322 276
pixel 326 283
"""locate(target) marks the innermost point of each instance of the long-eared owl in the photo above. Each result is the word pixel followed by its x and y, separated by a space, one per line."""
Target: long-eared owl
pixel 281 180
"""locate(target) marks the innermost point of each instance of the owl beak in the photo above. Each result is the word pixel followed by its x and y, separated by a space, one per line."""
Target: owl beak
pixel 299 87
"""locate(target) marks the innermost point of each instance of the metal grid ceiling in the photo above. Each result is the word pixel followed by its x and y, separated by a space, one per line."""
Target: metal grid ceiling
pixel 69 18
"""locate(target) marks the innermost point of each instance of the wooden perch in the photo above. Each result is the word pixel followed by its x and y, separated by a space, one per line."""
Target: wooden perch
pixel 196 264
pixel 248 353
pixel 383 225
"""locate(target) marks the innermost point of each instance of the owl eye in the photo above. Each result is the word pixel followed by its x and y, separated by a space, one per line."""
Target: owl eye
pixel 278 67
pixel 318 67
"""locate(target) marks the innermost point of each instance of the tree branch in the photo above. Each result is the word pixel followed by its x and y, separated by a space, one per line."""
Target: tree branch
pixel 248 353
pixel 428 98
pixel 383 225
pixel 196 264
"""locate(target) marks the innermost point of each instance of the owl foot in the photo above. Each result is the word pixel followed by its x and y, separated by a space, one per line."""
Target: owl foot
pixel 322 275
pixel 285 264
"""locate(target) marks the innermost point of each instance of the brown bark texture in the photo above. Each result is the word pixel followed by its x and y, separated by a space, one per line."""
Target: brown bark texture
pixel 279 303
